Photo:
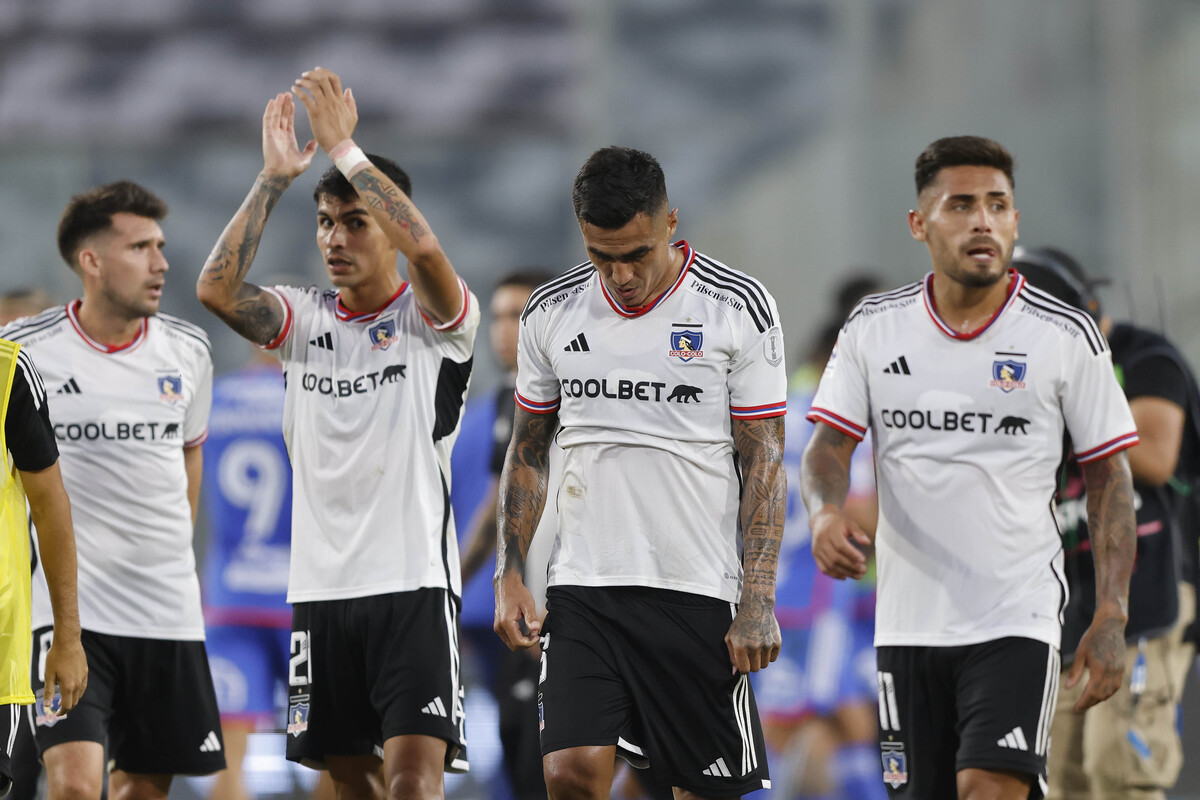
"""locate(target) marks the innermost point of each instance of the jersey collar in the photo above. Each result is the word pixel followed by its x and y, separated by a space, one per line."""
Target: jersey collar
pixel 637 311
pixel 346 315
pixel 73 316
pixel 1016 280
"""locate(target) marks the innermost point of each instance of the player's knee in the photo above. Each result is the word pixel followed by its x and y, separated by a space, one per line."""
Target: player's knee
pixel 416 782
pixel 570 778
pixel 980 784
pixel 74 785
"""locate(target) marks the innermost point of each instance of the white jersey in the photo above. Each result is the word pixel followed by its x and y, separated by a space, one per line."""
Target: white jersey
pixel 122 417
pixel 968 435
pixel 371 412
pixel 650 493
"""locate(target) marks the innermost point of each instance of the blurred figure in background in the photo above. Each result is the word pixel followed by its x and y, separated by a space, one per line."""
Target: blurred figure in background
pixel 818 701
pixel 23 302
pixel 512 676
pixel 1129 747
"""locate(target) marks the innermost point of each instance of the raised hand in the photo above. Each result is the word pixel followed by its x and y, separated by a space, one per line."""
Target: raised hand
pixel 332 111
pixel 281 152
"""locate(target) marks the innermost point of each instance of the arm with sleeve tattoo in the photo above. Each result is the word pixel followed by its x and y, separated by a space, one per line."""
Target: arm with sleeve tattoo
pixel 824 483
pixel 1112 530
pixel 222 286
pixel 522 496
pixel 753 638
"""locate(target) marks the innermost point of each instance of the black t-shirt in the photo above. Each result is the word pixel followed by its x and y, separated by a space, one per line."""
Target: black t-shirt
pixel 1147 365
pixel 27 428
pixel 502 428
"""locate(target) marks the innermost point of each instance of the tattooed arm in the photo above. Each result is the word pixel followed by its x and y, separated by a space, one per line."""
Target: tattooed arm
pixel 824 483
pixel 222 286
pixel 522 496
pixel 753 638
pixel 1112 529
pixel 333 114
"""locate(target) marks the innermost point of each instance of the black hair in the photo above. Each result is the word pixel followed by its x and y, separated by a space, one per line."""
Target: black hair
pixel 526 277
pixel 615 185
pixel 962 151
pixel 334 183
pixel 92 211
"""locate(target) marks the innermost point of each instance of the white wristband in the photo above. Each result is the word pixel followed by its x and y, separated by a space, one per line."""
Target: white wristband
pixel 349 159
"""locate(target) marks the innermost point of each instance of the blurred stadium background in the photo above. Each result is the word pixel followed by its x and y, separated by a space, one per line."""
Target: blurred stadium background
pixel 787 129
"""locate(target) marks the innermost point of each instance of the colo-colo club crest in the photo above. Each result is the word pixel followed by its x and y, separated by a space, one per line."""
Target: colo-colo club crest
pixel 382 334
pixel 170 388
pixel 1008 375
pixel 686 345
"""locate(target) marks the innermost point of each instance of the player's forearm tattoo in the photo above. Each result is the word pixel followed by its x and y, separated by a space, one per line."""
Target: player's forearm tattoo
pixel 388 199
pixel 759 445
pixel 522 493
pixel 221 285
pixel 825 474
pixel 1112 529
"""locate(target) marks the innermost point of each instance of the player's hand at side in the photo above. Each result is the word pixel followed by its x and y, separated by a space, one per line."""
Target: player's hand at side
pixel 517 620
pixel 1101 653
pixel 281 152
pixel 66 668
pixel 332 111
pixel 753 638
pixel 836 543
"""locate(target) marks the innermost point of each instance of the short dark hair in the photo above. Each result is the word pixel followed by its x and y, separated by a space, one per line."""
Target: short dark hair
pixel 962 151
pixel 526 278
pixel 92 211
pixel 335 184
pixel 615 185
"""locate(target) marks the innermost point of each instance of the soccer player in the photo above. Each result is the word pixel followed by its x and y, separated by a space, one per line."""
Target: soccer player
pixel 514 684
pixel 1130 745
pixel 967 380
pixel 665 370
pixel 27 440
pixel 377 372
pixel 130 391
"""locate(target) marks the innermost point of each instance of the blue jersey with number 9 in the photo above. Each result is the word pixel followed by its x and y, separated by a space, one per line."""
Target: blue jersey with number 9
pixel 248 499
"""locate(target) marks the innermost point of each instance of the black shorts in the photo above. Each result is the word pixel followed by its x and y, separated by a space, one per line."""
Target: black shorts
pixel 983 706
pixel 365 669
pixel 151 699
pixel 647 670
pixel 10 722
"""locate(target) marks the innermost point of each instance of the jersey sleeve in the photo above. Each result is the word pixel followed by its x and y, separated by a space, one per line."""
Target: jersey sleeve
pixel 843 400
pixel 457 337
pixel 757 377
pixel 1094 407
pixel 290 298
pixel 27 429
pixel 195 418
pixel 537 385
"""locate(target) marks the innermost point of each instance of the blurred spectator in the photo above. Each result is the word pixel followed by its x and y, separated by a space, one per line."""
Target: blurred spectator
pixel 23 302
pixel 1129 746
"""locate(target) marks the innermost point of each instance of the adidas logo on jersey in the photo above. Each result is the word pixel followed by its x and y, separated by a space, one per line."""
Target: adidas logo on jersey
pixel 897 367
pixel 70 387
pixel 717 769
pixel 211 743
pixel 578 345
pixel 324 341
pixel 1014 740
pixel 435 707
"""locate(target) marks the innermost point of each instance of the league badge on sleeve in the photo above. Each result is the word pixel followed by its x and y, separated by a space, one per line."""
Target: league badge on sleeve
pixel 895 764
pixel 1008 375
pixel 382 334
pixel 686 345
pixel 170 387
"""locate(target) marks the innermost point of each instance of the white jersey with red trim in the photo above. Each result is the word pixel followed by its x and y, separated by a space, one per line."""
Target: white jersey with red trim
pixel 650 492
pixel 968 435
pixel 122 417
pixel 371 412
